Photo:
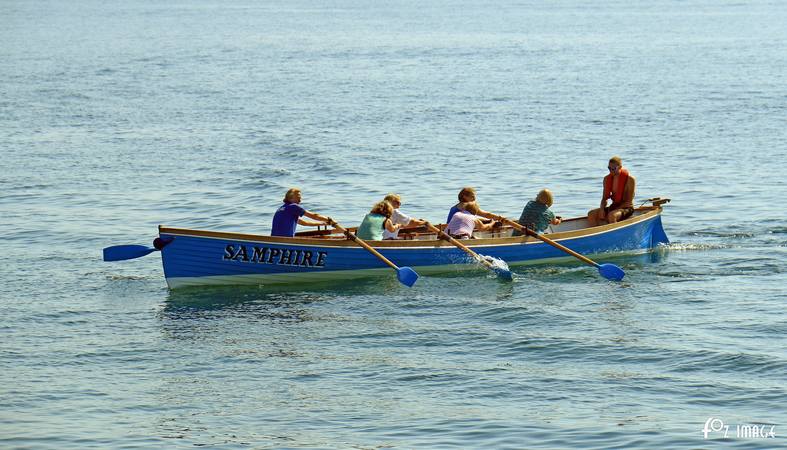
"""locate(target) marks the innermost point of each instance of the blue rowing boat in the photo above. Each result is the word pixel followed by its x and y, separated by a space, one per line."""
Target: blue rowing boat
pixel 200 257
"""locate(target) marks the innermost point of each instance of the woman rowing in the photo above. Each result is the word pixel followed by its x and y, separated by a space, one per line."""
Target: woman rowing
pixel 398 217
pixel 378 220
pixel 465 220
pixel 467 195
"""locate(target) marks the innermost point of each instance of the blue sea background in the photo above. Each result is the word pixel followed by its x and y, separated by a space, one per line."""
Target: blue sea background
pixel 116 117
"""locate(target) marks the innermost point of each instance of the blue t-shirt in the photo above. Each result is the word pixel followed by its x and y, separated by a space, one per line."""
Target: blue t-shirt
pixel 451 213
pixel 286 219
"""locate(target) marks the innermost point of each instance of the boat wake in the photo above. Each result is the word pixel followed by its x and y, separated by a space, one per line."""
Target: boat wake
pixel 689 246
pixel 117 277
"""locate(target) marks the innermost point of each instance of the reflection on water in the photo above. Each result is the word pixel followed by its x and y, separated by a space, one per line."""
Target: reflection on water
pixel 220 297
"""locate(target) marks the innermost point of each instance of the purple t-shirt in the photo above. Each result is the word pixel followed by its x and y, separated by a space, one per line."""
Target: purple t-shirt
pixel 286 219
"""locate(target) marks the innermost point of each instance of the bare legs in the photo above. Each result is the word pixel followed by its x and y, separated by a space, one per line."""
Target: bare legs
pixel 597 216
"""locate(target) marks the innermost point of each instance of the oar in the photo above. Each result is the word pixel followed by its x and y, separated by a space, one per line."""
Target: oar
pixel 608 271
pixel 406 275
pixel 122 252
pixel 499 271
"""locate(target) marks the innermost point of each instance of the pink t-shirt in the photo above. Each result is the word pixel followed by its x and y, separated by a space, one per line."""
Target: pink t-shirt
pixel 462 223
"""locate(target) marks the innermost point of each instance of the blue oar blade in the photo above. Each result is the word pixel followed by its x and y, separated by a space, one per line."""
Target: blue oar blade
pixel 499 267
pixel 611 272
pixel 121 252
pixel 504 274
pixel 407 276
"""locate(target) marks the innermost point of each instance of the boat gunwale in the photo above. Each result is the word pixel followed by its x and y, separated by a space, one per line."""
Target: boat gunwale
pixel 648 213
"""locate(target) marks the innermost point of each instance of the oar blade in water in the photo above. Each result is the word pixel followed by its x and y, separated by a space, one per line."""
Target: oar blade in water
pixel 499 267
pixel 611 272
pixel 504 274
pixel 122 252
pixel 407 276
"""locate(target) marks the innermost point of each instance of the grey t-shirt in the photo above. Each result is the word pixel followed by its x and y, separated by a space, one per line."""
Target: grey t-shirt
pixel 535 216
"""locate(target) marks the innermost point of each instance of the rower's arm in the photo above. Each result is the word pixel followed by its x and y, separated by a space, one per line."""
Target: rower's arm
pixel 390 225
pixel 322 220
pixel 314 216
pixel 481 226
pixel 486 214
pixel 307 223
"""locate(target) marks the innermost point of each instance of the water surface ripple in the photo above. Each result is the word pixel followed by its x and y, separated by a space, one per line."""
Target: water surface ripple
pixel 115 118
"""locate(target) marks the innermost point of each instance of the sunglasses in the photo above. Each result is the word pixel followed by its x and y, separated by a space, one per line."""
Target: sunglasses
pixel 612 169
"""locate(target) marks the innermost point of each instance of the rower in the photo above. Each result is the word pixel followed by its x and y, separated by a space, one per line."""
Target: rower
pixel 289 214
pixel 398 217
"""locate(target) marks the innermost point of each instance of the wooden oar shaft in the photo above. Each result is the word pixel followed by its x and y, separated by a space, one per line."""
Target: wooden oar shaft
pixel 363 244
pixel 530 232
pixel 454 241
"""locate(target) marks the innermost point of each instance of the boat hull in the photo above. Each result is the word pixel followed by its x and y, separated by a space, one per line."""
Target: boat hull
pixel 197 257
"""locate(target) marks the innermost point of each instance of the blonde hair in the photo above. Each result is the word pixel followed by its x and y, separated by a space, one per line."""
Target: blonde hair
pixel 545 197
pixel 471 207
pixel 385 208
pixel 616 160
pixel 290 195
pixel 464 192
pixel 393 198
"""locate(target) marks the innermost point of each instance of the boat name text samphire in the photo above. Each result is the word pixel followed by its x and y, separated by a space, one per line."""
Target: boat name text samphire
pixel 275 256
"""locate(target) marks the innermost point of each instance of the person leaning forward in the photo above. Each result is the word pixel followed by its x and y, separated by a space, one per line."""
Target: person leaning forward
pixel 289 214
pixel 466 220
pixel 619 187
pixel 377 221
pixel 467 195
pixel 536 214
pixel 398 217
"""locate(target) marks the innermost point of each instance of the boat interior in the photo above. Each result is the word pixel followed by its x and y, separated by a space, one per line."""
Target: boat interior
pixel 422 233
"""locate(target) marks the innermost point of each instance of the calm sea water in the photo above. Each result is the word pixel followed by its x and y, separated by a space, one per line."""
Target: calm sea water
pixel 119 116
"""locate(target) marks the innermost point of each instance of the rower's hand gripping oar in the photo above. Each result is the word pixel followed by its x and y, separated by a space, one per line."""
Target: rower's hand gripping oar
pixel 406 275
pixel 123 252
pixel 499 271
pixel 608 271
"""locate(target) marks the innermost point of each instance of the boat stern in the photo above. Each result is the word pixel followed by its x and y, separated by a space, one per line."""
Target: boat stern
pixel 657 234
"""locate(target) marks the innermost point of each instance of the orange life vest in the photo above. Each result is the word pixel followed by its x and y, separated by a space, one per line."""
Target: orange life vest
pixel 617 195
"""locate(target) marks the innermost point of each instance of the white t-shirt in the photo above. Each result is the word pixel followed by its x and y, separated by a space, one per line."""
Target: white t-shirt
pixel 397 218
